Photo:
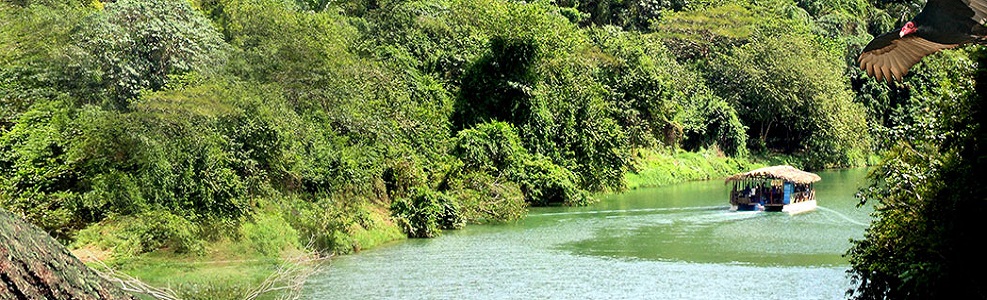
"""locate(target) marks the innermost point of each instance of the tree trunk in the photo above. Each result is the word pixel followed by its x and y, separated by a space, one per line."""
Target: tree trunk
pixel 33 265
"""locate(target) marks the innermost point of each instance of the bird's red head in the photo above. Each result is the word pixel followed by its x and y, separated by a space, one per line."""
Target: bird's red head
pixel 909 28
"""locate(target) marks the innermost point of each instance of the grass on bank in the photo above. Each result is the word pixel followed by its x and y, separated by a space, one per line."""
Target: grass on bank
pixel 266 249
pixel 201 277
pixel 654 168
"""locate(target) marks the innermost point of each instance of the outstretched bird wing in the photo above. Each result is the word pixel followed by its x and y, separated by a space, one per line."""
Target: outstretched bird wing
pixel 946 24
pixel 889 57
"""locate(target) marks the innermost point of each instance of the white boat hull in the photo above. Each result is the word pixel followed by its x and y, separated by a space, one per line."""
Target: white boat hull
pixel 800 207
pixel 792 209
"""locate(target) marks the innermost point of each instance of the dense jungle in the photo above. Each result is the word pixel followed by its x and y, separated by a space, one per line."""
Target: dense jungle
pixel 155 134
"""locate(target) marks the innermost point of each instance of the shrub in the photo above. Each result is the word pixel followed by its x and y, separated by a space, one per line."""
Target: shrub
pixel 269 234
pixel 486 198
pixel 426 212
pixel 545 183
pixel 322 222
pixel 489 147
pixel 39 180
pixel 708 121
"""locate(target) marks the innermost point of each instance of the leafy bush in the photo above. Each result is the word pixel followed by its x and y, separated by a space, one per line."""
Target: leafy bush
pixel 269 234
pixel 492 147
pixel 498 87
pixel 572 125
pixel 629 15
pixel 545 183
pixel 401 177
pixel 486 198
pixel 824 7
pixel 708 122
pixel 492 152
pixel 426 212
pixel 39 182
pixel 323 223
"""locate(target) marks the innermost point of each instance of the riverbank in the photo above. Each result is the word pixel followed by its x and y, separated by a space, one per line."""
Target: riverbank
pixel 240 262
pixel 223 273
pixel 264 258
pixel 651 168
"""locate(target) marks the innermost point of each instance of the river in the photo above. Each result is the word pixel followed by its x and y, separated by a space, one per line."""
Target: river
pixel 675 242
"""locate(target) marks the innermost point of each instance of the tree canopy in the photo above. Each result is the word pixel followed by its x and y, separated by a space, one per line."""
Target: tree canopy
pixel 197 116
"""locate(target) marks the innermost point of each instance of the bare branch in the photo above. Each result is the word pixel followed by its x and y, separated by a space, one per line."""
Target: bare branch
pixel 290 277
pixel 133 285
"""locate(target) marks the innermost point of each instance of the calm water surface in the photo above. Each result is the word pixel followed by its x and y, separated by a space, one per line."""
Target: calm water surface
pixel 676 242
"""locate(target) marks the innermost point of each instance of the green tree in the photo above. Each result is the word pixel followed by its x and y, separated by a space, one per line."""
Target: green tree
pixel 631 15
pixel 698 34
pixel 37 59
pixel 709 121
pixel 791 94
pixel 39 180
pixel 499 87
pixel 646 85
pixel 426 212
pixel 493 148
pixel 137 45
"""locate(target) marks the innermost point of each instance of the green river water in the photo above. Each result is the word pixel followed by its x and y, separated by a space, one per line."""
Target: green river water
pixel 675 242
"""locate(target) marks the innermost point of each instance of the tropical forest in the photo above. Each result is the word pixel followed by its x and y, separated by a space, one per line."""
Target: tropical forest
pixel 229 149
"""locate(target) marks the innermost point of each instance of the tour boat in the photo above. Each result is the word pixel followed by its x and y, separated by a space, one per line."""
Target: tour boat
pixel 776 188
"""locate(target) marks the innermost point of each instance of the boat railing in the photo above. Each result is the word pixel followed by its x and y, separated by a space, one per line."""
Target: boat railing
pixel 763 194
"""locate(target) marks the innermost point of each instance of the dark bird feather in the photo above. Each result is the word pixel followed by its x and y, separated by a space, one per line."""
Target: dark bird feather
pixel 941 25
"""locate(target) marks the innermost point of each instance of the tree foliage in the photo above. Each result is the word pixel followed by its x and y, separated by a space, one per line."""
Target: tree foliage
pixel 136 45
pixel 429 112
pixel 793 98
pixel 200 116
pixel 929 206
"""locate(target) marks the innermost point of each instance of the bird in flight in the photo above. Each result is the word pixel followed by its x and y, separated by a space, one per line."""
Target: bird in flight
pixel 942 24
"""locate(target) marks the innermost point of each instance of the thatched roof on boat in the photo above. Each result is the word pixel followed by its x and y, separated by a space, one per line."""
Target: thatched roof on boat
pixel 784 172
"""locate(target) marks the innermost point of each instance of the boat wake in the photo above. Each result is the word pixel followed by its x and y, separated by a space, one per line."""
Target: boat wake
pixel 842 216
